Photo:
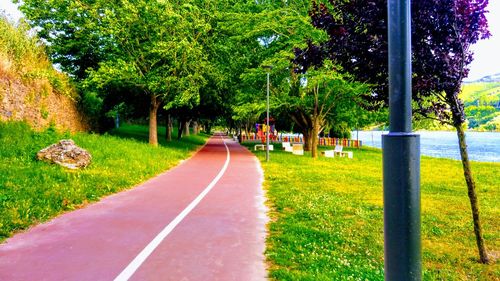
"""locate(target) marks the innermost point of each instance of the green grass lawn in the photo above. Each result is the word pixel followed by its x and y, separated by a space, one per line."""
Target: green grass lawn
pixel 32 191
pixel 327 218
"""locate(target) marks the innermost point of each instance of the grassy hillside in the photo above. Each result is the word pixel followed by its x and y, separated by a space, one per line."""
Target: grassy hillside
pixel 482 105
pixel 32 191
pixel 327 218
pixel 485 93
pixel 31 89
pixel 23 58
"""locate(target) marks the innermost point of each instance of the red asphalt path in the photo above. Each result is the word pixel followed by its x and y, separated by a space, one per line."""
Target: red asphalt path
pixel 222 238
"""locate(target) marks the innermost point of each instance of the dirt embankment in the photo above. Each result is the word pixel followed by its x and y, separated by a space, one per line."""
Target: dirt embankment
pixel 39 105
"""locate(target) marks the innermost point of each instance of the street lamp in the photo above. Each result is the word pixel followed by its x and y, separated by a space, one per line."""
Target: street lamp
pixel 268 68
pixel 401 157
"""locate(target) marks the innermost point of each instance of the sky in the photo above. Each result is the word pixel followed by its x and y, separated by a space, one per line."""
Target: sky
pixel 486 52
pixel 10 9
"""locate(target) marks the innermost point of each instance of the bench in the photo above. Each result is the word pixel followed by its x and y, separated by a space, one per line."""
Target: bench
pixel 262 147
pixel 287 147
pixel 298 149
pixel 337 151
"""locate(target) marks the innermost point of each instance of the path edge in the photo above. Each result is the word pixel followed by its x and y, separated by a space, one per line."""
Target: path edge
pixel 263 207
pixel 106 197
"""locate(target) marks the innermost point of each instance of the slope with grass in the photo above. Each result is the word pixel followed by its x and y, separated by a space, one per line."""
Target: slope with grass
pixel 327 218
pixel 482 105
pixel 32 191
pixel 30 88
pixel 481 92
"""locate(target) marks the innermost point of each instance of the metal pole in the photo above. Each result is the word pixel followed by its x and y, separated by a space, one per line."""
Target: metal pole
pixel 267 128
pixel 117 121
pixel 401 153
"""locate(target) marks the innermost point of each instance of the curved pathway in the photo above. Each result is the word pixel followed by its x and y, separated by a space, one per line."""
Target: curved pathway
pixel 203 220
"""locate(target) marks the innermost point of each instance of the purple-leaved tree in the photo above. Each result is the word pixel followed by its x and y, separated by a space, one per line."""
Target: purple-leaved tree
pixel 442 33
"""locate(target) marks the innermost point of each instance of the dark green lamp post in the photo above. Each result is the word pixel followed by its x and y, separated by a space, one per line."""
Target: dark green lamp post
pixel 401 153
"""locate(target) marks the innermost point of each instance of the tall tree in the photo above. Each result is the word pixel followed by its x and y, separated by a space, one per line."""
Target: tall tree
pixel 326 97
pixel 443 31
pixel 264 33
pixel 156 51
pixel 444 52
pixel 71 30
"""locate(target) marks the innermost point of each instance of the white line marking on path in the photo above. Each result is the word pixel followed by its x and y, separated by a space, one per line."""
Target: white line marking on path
pixel 146 252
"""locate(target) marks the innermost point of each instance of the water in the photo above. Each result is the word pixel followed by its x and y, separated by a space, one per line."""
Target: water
pixel 482 146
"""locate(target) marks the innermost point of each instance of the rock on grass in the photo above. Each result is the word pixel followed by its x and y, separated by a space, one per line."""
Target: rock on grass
pixel 65 153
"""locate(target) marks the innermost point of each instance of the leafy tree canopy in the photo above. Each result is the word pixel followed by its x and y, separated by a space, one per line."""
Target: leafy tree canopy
pixel 442 34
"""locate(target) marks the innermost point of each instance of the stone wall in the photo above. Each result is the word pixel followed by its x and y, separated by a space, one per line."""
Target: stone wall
pixel 39 106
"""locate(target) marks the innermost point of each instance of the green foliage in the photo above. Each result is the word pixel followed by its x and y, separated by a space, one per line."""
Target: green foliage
pixel 44 112
pixel 16 44
pixel 335 96
pixel 72 31
pixel 126 47
pixel 91 103
pixel 430 125
pixel 256 33
pixel 492 125
pixel 482 105
pixel 482 108
pixel 323 98
pixel 327 218
pixel 32 191
pixel 479 115
pixel 248 113
pixel 156 50
pixel 481 93
pixel 340 130
pixel 23 58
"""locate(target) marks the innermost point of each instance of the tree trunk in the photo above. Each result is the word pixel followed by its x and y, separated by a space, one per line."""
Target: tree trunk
pixel 471 187
pixel 314 139
pixel 168 128
pixel 186 128
pixel 247 129
pixel 307 133
pixel 180 129
pixel 314 146
pixel 209 127
pixel 195 127
pixel 304 122
pixel 153 128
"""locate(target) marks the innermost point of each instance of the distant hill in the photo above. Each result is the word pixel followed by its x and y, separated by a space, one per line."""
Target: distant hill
pixel 490 78
pixel 482 103
pixel 487 79
pixel 481 93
